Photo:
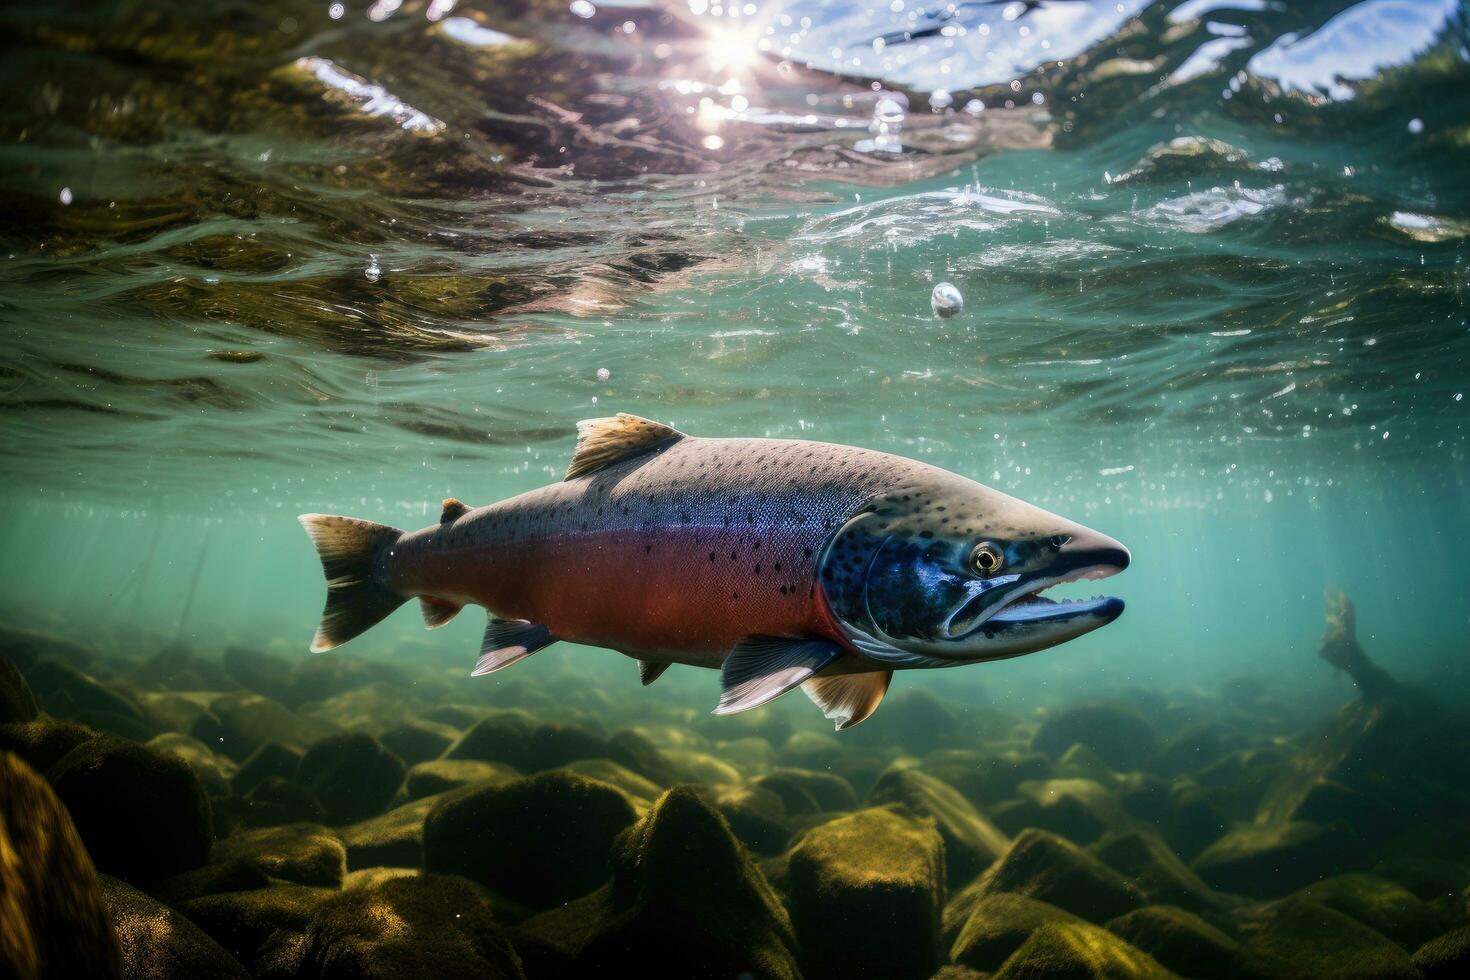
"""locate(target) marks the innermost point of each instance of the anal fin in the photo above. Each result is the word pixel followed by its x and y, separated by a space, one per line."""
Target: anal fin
pixel 509 641
pixel 437 611
pixel 848 698
pixel 762 668
pixel 650 671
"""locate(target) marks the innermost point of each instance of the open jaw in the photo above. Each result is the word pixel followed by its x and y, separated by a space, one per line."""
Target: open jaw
pixel 1027 607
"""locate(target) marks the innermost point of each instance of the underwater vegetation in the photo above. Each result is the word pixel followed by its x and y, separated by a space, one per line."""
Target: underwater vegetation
pixel 167 816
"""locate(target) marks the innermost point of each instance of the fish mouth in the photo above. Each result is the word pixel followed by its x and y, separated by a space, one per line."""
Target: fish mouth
pixel 1025 606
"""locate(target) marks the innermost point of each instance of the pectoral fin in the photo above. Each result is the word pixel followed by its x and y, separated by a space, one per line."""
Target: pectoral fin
pixel 848 698
pixel 650 671
pixel 437 611
pixel 762 668
pixel 509 641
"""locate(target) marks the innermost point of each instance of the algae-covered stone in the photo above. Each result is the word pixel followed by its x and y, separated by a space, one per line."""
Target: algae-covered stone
pixel 353 775
pixel 693 766
pixel 396 838
pixel 52 919
pixel 1080 810
pixel 755 815
pixel 810 750
pixel 655 916
pixel 442 775
pixel 143 815
pixel 1446 957
pixel 271 759
pixel 1078 951
pixel 1297 939
pixel 214 771
pixel 236 724
pixel 263 673
pixel 17 703
pixel 539 840
pixel 866 894
pixel 971 842
pixel 526 745
pixel 41 743
pixel 1270 860
pixel 630 749
pixel 419 740
pixel 1156 871
pixel 829 791
pixel 1379 904
pixel 307 854
pixel 1179 940
pixel 423 926
pixel 1119 735
pixel 242 921
pixel 640 790
pixel 276 801
pixel 159 943
pixel 64 690
pixel 1047 868
pixel 997 925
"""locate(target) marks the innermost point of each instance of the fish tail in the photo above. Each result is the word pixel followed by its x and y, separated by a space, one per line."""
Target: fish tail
pixel 357 596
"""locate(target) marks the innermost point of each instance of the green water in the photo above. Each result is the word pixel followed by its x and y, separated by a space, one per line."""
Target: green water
pixel 1213 258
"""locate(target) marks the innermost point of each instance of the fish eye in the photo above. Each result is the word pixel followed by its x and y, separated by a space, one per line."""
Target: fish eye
pixel 987 558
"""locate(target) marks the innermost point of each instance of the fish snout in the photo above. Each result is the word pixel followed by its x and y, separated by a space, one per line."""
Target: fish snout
pixel 1094 554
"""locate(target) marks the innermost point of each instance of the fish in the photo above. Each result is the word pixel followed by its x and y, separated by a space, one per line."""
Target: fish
pixel 782 563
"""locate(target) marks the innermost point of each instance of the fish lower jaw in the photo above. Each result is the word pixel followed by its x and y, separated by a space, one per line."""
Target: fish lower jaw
pixel 1033 606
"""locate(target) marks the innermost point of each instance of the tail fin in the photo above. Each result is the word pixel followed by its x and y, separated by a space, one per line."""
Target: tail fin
pixel 356 597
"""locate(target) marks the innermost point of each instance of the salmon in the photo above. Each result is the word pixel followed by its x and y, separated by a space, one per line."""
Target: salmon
pixel 781 563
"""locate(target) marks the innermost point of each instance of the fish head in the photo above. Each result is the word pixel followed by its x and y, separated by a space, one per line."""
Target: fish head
pixel 947 569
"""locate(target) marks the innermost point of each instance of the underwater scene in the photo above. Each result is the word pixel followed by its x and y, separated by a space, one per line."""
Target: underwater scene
pixel 752 365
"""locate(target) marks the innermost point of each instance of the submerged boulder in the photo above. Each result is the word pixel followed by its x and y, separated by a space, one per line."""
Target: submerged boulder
pixel 213 771
pixel 159 943
pixel 42 742
pixel 540 840
pixel 1180 940
pixel 17 703
pixel 997 925
pixel 418 740
pixel 352 775
pixel 1119 735
pixel 52 919
pixel 442 775
pixel 1047 868
pixel 526 745
pixel 1081 810
pixel 243 921
pixel 1446 957
pixel 1267 861
pixel 866 892
pixel 656 918
pixel 237 724
pixel 143 815
pixel 423 926
pixel 268 760
pixel 829 791
pixel 1147 862
pixel 1380 904
pixel 1298 939
pixel 307 854
pixel 395 839
pixel 756 816
pixel 1078 951
pixel 971 842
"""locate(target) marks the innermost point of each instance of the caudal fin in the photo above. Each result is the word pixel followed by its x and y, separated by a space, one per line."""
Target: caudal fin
pixel 357 599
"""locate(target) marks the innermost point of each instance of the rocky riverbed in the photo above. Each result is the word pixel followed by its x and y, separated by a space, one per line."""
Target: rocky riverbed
pixel 173 815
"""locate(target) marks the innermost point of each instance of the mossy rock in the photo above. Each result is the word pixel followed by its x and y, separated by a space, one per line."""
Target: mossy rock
pixel 419 740
pixel 1078 951
pixel 640 790
pixel 1119 735
pixel 301 853
pixel 324 676
pixel 829 791
pixel 810 750
pixel 42 743
pixel 1297 939
pixel 442 775
pixel 237 724
pixel 1194 748
pixel 1146 861
pixel 996 926
pixel 693 766
pixel 262 673
pixel 175 711
pixel 630 749
pixel 1180 940
pixel 17 703
pixel 353 775
pixel 539 840
pixel 214 771
pixel 755 815
pixel 52 919
pixel 1380 904
pixel 1195 821
pixel 395 838
pixel 68 692
pixel 242 921
pixel 866 895
pixel 971 842
pixel 143 815
pixel 271 759
pixel 1080 810
pixel 423 926
pixel 655 918
pixel 276 801
pixel 1269 860
pixel 1081 762
pixel 914 720
pixel 159 943
pixel 1049 869
pixel 1445 957
pixel 526 745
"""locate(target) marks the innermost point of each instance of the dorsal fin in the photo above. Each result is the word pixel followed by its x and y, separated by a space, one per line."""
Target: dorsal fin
pixel 453 510
pixel 607 440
